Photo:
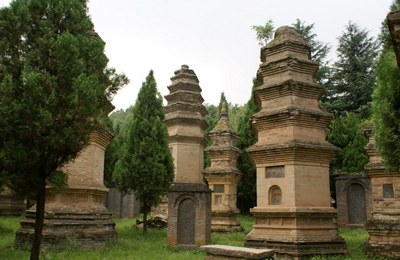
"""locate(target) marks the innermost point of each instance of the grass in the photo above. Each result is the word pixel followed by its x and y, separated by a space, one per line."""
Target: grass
pixel 133 245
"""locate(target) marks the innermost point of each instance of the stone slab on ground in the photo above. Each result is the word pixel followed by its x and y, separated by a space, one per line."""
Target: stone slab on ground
pixel 221 252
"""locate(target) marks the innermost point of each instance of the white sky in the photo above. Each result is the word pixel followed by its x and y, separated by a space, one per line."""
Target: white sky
pixel 213 37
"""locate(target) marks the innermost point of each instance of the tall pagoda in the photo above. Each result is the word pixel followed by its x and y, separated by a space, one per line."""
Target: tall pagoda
pixel 294 215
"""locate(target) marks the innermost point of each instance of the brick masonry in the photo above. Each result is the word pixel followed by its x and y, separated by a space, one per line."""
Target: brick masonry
pixel 353 200
pixel 76 216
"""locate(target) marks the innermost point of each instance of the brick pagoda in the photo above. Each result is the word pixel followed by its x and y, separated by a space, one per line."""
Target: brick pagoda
pixel 223 176
pixel 293 214
pixel 76 213
pixel 384 226
pixel 189 199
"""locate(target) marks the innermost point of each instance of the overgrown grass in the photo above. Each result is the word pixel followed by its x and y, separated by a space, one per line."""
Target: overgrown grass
pixel 132 244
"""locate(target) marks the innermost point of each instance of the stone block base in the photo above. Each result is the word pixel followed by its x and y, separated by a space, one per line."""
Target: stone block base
pixel 384 238
pixel 225 224
pixel 10 206
pixel 296 233
pixel 189 215
pixel 65 229
pixel 221 252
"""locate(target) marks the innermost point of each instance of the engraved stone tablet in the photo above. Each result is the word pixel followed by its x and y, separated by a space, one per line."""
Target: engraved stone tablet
pixel 388 192
pixel 275 172
pixel 219 188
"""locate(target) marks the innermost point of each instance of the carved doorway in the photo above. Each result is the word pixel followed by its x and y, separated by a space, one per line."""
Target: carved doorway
pixel 186 222
pixel 356 207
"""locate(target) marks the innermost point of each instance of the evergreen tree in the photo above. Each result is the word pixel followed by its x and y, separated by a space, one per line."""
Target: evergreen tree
pixel 247 185
pixel 119 120
pixel 384 36
pixel 54 84
pixel 319 50
pixel 346 133
pixel 386 110
pixel 354 74
pixel 146 165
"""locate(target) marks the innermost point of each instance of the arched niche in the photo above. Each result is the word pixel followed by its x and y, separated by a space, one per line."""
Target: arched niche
pixel 275 195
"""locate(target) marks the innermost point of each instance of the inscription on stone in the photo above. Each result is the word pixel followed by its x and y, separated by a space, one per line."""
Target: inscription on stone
pixel 219 188
pixel 388 192
pixel 186 224
pixel 275 172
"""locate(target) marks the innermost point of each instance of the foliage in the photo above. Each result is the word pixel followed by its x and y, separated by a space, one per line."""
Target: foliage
pixel 354 73
pixel 247 185
pixel 319 50
pixel 54 85
pixel 346 133
pixel 120 120
pixel 264 33
pixel 386 110
pixel 145 165
pixel 384 36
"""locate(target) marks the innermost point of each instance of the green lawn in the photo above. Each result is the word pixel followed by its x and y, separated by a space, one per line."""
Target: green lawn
pixel 133 245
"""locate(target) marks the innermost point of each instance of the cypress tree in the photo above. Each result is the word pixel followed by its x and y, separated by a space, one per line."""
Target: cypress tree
pixel 386 110
pixel 146 165
pixel 54 85
pixel 247 185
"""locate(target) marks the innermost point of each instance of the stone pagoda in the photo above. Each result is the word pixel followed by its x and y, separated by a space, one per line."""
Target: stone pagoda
pixel 293 214
pixel 223 176
pixel 77 212
pixel 189 199
pixel 384 226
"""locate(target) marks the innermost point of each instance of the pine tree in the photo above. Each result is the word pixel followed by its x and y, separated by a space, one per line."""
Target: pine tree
pixel 319 50
pixel 54 84
pixel 247 185
pixel 354 74
pixel 146 165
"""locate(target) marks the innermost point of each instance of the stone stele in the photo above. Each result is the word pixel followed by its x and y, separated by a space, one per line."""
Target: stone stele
pixel 77 214
pixel 384 226
pixel 189 199
pixel 293 214
pixel 223 176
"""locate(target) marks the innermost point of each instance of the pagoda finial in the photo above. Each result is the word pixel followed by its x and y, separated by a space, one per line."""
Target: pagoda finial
pixel 224 112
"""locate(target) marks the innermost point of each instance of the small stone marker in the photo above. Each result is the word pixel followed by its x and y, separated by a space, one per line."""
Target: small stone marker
pixel 221 252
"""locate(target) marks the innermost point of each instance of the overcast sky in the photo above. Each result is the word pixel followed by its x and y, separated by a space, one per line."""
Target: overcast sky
pixel 213 37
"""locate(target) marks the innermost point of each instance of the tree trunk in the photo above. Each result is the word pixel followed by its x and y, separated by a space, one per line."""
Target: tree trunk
pixel 144 218
pixel 37 237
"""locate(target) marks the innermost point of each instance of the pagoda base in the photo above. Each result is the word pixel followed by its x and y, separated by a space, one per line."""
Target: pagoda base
pixel 189 215
pixel 73 217
pixel 384 240
pixel 296 232
pixel 225 222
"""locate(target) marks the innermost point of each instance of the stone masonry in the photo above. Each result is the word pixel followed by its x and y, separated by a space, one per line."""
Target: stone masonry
pixel 293 214
pixel 384 226
pixel 9 205
pixel 223 176
pixel 77 213
pixel 189 199
pixel 353 200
